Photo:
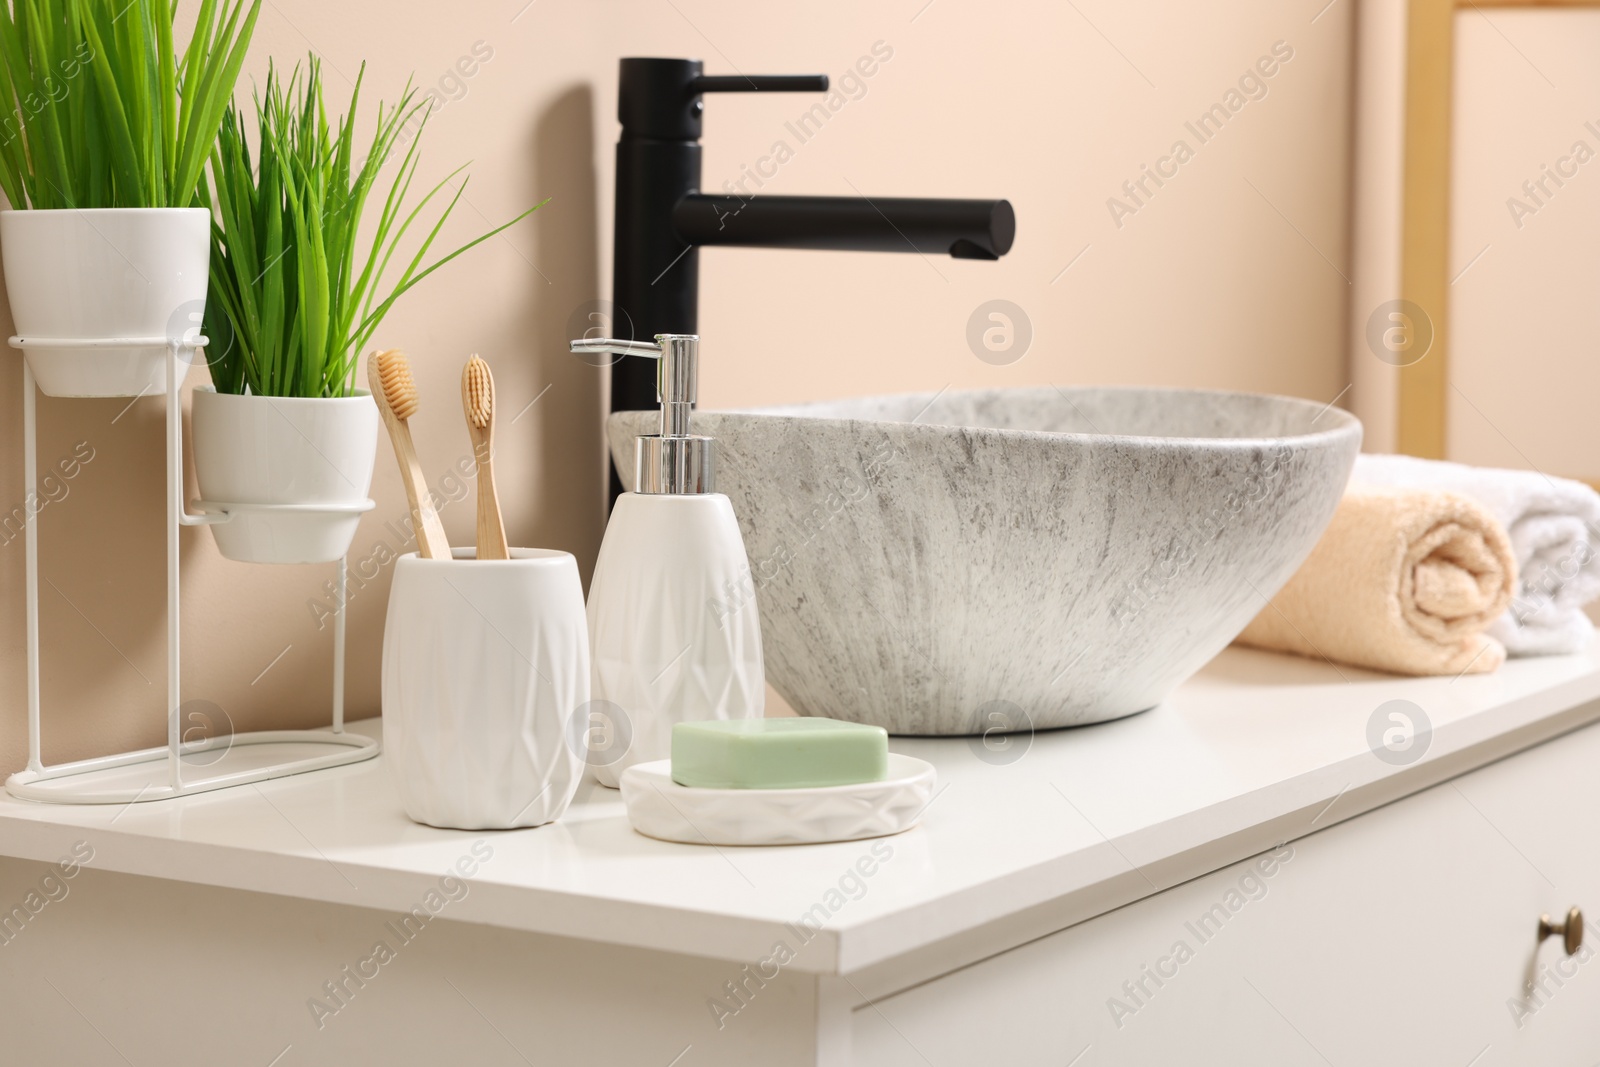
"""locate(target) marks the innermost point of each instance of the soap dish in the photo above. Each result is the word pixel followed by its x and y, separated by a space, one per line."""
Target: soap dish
pixel 661 808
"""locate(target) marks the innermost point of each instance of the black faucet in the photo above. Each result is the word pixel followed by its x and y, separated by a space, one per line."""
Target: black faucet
pixel 662 217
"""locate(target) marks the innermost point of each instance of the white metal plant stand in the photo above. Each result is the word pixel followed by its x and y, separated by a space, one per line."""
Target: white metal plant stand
pixel 107 779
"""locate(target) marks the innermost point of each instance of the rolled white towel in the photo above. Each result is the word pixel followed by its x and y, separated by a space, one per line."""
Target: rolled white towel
pixel 1554 527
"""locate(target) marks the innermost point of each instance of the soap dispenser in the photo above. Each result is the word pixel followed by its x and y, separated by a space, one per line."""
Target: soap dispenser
pixel 674 635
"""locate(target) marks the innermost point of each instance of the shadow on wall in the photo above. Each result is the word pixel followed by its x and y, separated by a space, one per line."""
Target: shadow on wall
pixel 101 578
pixel 570 457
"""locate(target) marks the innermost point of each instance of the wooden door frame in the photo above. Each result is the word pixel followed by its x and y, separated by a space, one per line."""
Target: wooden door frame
pixel 1425 207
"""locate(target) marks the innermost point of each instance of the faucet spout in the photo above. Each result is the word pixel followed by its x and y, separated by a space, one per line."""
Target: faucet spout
pixel 663 218
pixel 964 229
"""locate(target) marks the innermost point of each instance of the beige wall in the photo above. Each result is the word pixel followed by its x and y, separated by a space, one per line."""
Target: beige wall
pixel 1524 266
pixel 1231 275
pixel 1524 311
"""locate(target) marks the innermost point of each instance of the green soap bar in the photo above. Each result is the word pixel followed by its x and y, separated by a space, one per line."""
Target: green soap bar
pixel 778 753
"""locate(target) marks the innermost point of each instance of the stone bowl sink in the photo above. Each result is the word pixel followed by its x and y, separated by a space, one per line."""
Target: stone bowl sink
pixel 1014 559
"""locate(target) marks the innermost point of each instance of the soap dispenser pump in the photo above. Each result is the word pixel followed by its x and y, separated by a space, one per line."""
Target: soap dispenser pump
pixel 674 635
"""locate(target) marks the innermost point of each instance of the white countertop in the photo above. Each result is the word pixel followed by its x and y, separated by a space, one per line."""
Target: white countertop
pixel 1256 748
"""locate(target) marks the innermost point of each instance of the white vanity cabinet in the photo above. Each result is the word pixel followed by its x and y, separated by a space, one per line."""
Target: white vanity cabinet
pixel 1404 936
pixel 1234 878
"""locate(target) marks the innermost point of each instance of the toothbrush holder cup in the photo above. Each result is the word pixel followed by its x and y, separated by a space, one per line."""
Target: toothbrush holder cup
pixel 484 664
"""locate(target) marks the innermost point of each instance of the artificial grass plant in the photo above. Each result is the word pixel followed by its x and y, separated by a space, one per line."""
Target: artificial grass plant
pixel 296 293
pixel 100 110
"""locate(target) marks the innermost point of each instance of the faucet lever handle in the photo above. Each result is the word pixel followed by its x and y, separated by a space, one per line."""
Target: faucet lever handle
pixel 759 83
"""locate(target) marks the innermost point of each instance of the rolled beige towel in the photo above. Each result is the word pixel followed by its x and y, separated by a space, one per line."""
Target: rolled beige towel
pixel 1403 580
pixel 1554 528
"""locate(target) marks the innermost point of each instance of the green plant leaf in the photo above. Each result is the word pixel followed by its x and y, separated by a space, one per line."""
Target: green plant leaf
pixel 295 289
pixel 101 111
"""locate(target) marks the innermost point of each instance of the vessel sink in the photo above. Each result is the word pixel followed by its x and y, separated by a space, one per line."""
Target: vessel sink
pixel 1013 559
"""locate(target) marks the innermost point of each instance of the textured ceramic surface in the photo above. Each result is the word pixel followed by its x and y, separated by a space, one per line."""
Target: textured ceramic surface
pixel 485 665
pixel 102 273
pixel 314 456
pixel 659 807
pixel 996 560
pixel 665 648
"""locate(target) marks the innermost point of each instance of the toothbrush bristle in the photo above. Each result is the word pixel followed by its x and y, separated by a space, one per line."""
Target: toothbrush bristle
pixel 394 372
pixel 480 392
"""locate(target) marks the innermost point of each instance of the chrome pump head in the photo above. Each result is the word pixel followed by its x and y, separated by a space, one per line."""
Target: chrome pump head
pixel 672 461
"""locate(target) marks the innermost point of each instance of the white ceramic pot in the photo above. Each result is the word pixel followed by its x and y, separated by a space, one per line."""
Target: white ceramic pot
pixel 293 471
pixel 103 273
pixel 485 664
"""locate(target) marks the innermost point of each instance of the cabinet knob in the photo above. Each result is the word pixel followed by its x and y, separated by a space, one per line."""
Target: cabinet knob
pixel 1571 930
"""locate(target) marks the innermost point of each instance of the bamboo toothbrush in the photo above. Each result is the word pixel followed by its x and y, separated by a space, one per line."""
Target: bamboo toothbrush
pixel 389 376
pixel 477 399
